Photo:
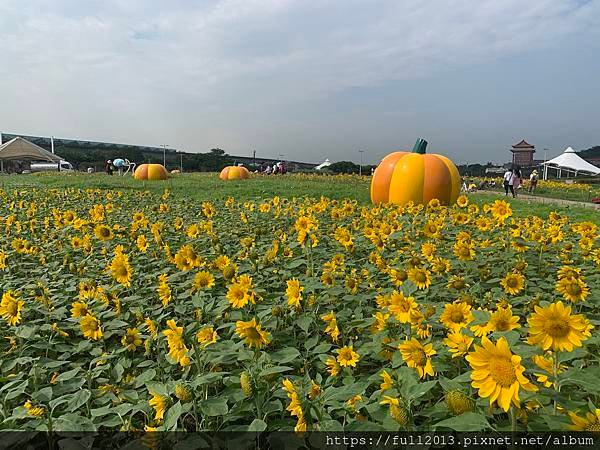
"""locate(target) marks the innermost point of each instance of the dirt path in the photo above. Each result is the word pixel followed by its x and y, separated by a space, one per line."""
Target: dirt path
pixel 546 200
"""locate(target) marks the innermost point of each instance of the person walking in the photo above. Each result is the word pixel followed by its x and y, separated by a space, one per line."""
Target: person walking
pixel 516 181
pixel 533 181
pixel 508 175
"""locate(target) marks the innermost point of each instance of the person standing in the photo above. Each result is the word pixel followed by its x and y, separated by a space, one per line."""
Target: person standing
pixel 533 181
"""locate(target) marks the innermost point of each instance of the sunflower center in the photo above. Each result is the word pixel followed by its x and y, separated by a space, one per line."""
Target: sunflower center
pixel 573 289
pixel 593 426
pixel 253 334
pixel 502 325
pixel 502 371
pixel 93 325
pixel 457 316
pixel 12 308
pixel 557 328
pixel 121 271
pixel 420 277
pixel 419 357
pixel 512 282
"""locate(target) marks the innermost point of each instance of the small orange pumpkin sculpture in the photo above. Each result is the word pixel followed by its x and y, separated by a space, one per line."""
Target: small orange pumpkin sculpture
pixel 402 177
pixel 150 172
pixel 234 173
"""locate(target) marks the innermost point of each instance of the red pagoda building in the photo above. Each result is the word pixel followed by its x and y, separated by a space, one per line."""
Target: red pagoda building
pixel 523 154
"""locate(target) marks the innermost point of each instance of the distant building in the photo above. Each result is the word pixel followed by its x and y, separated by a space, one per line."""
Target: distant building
pixel 523 154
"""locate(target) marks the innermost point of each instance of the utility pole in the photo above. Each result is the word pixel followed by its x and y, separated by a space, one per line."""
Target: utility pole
pixel 361 162
pixel 181 162
pixel 52 144
pixel 164 146
pixel 545 169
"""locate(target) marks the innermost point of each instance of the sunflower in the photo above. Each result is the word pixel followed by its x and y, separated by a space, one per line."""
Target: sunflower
pixel 464 250
pixel 294 292
pixel 252 333
pixel 131 340
pixel 207 336
pixel 163 290
pixel 91 327
pixel 418 356
pixel 103 232
pixel 432 230
pixel 458 343
pixel 238 295
pixel 458 402
pixel 420 277
pixel 177 348
pixel 388 382
pixel 554 327
pixel 456 282
pixel 121 269
pixel 572 289
pixel 332 366
pixel 34 411
pixel 546 364
pixel 203 280
pixel 347 357
pixel 456 316
pixel 462 201
pixel 501 210
pixel 332 328
pixel 401 307
pixel 568 272
pixel 380 321
pixel 142 243
pixel 160 403
pixel 11 307
pixel 591 421
pixel 513 283
pixel 497 373
pixel 503 320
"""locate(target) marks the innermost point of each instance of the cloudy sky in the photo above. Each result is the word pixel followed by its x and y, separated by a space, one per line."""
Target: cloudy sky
pixel 308 79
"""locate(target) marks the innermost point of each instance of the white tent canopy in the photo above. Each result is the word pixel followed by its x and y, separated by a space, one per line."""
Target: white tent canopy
pixel 569 162
pixel 323 164
pixel 23 150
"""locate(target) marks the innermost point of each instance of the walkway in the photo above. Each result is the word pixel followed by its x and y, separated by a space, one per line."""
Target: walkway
pixel 546 200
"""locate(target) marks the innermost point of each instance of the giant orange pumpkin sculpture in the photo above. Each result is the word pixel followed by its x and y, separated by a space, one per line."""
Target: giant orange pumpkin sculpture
pixel 150 172
pixel 402 177
pixel 234 173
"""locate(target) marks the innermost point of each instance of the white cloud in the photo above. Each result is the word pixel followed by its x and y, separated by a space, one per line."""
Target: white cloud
pixel 152 68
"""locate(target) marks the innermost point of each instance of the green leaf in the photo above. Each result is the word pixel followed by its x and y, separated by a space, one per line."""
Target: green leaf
pixel 172 416
pixel 321 348
pixel 304 323
pixel 214 407
pixel 468 421
pixel 78 399
pixel 44 395
pixel 420 389
pixel 142 378
pixel 67 375
pixel 286 355
pixel 257 425
pixel 276 369
pixel 73 422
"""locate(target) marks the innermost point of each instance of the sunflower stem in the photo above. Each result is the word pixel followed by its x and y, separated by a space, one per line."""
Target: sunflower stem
pixel 513 418
pixel 555 381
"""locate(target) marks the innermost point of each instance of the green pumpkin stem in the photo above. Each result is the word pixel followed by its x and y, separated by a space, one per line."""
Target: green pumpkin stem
pixel 420 146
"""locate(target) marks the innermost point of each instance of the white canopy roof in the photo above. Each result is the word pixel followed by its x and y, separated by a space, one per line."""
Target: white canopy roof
pixel 571 160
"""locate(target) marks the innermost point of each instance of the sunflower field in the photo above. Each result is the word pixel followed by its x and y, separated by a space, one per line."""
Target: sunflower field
pixel 142 311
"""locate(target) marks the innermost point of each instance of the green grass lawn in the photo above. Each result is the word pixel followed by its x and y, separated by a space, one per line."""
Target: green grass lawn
pixel 207 186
